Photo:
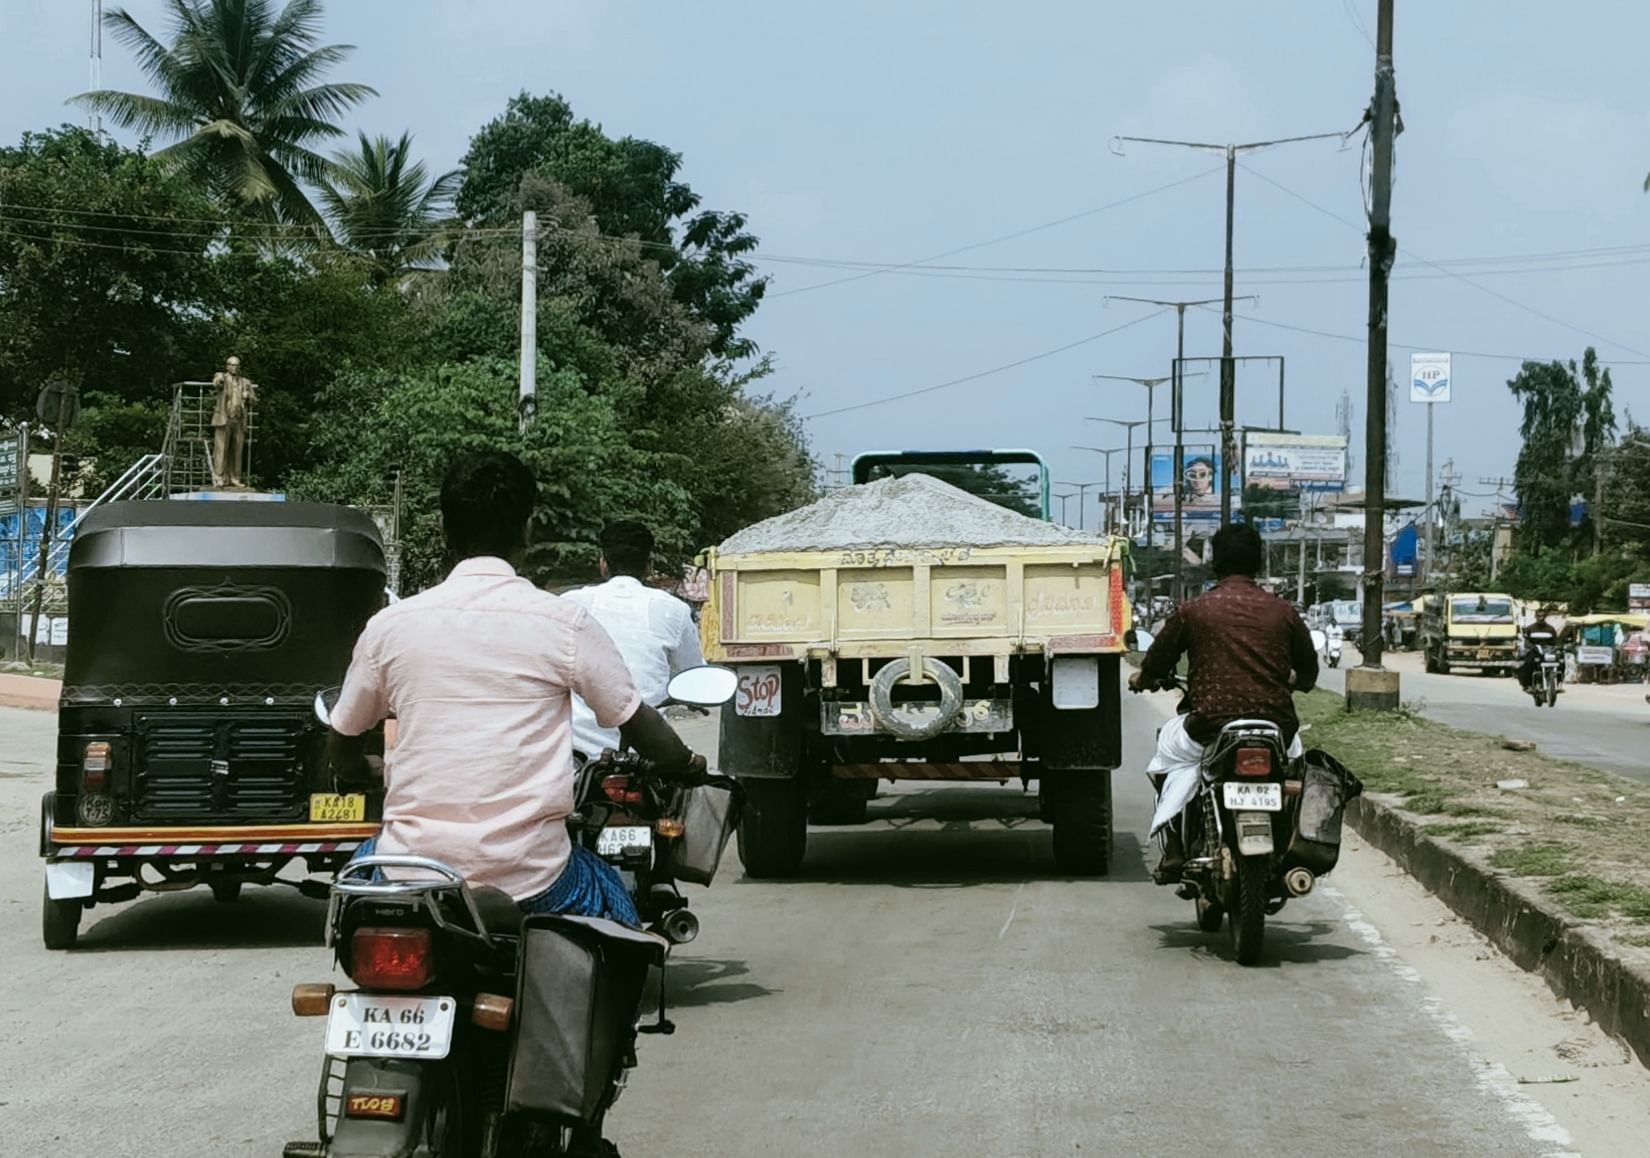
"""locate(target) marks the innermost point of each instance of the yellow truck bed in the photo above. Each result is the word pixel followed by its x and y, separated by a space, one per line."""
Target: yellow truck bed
pixel 969 601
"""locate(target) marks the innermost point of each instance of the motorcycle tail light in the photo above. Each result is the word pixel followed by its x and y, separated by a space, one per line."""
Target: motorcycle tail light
pixel 1254 762
pixel 385 958
pixel 617 789
pixel 94 766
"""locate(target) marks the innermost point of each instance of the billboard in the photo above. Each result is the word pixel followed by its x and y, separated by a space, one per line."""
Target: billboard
pixel 1200 500
pixel 1295 462
pixel 1429 378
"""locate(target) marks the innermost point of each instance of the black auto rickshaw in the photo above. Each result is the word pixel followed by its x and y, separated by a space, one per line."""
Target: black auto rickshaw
pixel 188 750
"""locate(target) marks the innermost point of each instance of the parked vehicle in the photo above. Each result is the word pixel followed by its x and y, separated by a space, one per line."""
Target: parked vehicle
pixel 1471 631
pixel 1261 830
pixel 942 663
pixel 1548 677
pixel 187 751
pixel 477 1031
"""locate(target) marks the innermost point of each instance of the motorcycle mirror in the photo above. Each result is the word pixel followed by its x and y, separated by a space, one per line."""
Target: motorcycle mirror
pixel 325 700
pixel 706 686
pixel 1318 639
pixel 1143 639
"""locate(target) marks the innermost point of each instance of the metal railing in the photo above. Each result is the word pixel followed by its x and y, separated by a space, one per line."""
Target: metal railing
pixel 144 479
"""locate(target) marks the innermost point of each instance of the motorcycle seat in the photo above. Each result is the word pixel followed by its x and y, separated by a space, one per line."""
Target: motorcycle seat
pixel 500 915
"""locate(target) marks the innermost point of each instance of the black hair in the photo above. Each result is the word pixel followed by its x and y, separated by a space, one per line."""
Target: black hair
pixel 487 499
pixel 628 548
pixel 1238 550
pixel 1204 459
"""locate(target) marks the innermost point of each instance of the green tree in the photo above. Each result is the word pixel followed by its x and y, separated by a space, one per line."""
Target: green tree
pixel 1569 421
pixel 385 208
pixel 241 98
pixel 87 284
pixel 632 190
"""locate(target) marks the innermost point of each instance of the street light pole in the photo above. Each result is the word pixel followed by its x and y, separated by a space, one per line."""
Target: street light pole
pixel 1082 489
pixel 1228 375
pixel 1128 457
pixel 1110 510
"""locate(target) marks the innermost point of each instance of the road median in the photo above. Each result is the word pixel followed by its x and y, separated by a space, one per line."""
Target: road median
pixel 1543 857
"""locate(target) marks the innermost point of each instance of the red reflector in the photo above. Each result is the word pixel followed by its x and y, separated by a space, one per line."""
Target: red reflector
pixel 391 958
pixel 617 789
pixel 1254 762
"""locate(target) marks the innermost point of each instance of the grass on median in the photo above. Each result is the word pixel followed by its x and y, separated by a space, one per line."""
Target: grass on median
pixel 1583 834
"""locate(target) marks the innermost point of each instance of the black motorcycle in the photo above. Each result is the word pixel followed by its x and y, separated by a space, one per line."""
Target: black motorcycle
pixel 1260 830
pixel 477 1031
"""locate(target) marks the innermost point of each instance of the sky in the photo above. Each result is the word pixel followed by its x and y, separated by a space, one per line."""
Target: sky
pixel 890 133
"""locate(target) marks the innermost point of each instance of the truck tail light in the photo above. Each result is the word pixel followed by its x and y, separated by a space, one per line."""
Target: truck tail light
pixel 387 958
pixel 94 766
pixel 617 789
pixel 1254 762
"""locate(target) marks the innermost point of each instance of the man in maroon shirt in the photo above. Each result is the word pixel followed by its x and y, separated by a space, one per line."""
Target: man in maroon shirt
pixel 1247 650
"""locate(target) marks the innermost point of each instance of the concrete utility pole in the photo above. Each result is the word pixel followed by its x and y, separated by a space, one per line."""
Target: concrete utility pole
pixel 1371 687
pixel 527 404
pixel 1228 373
pixel 1111 511
pixel 1151 385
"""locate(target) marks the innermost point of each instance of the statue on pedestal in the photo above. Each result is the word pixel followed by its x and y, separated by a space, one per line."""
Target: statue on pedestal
pixel 231 418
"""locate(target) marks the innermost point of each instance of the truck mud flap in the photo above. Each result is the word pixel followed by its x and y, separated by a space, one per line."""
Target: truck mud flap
pixel 766 747
pixel 1090 738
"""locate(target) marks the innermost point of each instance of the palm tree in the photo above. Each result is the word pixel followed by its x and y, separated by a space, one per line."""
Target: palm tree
pixel 385 208
pixel 239 97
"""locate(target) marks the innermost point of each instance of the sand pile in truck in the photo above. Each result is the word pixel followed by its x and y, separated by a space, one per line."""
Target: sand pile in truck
pixel 914 510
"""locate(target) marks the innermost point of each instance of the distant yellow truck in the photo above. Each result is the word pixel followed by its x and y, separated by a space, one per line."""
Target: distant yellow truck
pixel 1477 630
pixel 929 663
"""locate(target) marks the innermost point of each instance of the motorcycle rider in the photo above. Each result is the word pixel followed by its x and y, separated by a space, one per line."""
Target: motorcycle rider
pixel 1538 635
pixel 1248 652
pixel 653 630
pixel 479 672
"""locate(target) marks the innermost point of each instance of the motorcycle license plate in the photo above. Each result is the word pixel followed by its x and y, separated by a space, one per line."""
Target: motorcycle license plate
pixel 370 1025
pixel 615 842
pixel 1252 797
pixel 337 806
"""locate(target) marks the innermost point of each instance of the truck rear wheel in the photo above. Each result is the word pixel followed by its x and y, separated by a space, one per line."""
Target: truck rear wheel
pixel 773 829
pixel 1082 822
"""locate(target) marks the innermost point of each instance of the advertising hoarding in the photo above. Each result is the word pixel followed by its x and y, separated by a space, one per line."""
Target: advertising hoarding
pixel 1300 462
pixel 1429 379
pixel 1201 491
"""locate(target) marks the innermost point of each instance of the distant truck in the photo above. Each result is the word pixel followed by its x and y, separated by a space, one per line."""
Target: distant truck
pixel 940 662
pixel 1470 630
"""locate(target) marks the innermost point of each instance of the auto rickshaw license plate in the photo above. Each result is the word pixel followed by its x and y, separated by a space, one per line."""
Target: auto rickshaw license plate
pixel 337 806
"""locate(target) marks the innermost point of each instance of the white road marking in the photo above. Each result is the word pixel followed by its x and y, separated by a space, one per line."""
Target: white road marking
pixel 1012 909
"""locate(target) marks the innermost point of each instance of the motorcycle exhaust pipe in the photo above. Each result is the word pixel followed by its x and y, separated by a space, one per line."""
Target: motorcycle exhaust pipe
pixel 680 926
pixel 1299 881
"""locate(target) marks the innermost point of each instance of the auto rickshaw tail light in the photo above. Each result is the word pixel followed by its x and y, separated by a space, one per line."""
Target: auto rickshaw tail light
pixel 391 958
pixel 312 998
pixel 94 766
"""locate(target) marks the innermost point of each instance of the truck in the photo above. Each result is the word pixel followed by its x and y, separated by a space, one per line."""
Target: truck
pixel 941 662
pixel 1477 630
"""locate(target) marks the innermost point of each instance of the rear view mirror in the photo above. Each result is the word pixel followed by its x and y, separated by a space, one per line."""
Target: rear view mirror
pixel 325 700
pixel 1143 639
pixel 705 686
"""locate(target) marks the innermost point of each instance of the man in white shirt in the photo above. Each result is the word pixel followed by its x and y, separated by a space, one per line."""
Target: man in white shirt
pixel 653 630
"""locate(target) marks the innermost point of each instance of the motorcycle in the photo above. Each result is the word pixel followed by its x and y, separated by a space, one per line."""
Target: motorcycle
pixel 1260 830
pixel 475 1030
pixel 1328 645
pixel 1547 678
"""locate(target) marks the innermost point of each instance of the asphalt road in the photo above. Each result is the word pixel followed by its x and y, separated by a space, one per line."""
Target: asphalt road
pixel 1606 726
pixel 929 987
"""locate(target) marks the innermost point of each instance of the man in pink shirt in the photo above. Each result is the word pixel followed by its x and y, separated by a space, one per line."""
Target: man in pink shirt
pixel 478 672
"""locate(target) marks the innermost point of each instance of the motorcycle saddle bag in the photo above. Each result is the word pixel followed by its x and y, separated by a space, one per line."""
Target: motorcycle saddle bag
pixel 1326 786
pixel 708 820
pixel 578 990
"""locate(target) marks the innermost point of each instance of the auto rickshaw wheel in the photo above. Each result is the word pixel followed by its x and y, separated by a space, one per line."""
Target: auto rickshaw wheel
pixel 60 920
pixel 226 892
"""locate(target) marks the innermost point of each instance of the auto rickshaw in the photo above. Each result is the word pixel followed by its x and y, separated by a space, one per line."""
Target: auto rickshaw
pixel 188 751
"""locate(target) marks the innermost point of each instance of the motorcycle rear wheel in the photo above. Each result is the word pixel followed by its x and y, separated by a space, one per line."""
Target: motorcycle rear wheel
pixel 1247 920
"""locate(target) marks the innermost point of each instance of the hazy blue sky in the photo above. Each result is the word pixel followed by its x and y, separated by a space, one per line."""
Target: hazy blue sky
pixel 888 132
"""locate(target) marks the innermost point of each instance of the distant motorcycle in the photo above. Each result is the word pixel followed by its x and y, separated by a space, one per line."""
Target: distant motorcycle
pixel 1328 645
pixel 1548 676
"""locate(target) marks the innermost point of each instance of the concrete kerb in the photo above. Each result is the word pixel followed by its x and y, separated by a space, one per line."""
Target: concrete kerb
pixel 32 692
pixel 1577 962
